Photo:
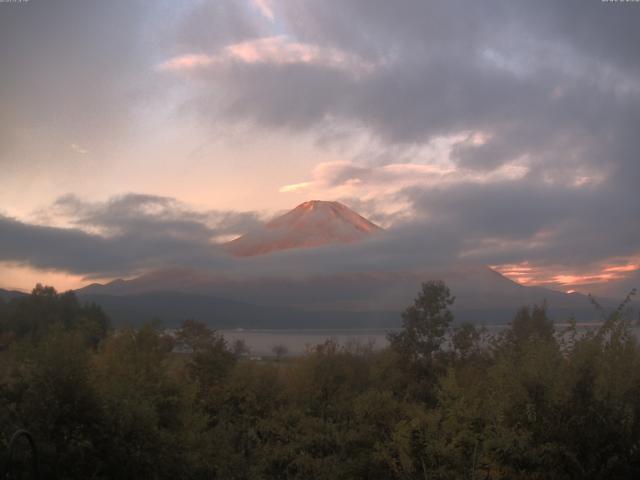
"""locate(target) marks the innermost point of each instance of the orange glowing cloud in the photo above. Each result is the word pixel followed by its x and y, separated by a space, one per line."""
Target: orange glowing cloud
pixel 575 280
pixel 22 277
pixel 623 268
pixel 561 277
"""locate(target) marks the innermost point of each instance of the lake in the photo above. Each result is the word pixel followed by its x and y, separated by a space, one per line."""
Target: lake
pixel 261 342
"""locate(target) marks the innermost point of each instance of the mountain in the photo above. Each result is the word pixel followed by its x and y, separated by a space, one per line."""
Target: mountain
pixel 173 307
pixel 354 300
pixel 347 300
pixel 310 224
pixel 9 294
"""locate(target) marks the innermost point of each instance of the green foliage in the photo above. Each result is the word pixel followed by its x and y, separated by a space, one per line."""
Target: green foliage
pixel 144 409
pixel 443 401
pixel 418 346
pixel 210 360
pixel 425 323
pixel 530 324
pixel 48 392
pixel 35 315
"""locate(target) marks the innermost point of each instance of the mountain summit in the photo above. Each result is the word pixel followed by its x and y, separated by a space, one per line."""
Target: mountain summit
pixel 310 224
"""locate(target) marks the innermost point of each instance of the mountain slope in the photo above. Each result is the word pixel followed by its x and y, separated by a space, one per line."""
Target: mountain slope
pixel 266 299
pixel 482 296
pixel 9 294
pixel 310 224
pixel 171 308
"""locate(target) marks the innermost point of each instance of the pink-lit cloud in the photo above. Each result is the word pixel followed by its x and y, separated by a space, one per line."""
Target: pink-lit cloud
pixel 350 177
pixel 278 50
pixel 570 278
pixel 378 187
pixel 186 62
pixel 78 149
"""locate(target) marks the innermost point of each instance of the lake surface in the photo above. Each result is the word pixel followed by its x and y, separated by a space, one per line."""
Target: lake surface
pixel 296 342
pixel 262 342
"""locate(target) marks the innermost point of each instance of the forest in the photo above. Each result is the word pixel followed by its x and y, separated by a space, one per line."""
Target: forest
pixel 442 401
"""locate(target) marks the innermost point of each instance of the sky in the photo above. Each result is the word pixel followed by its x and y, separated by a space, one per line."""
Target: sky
pixel 140 134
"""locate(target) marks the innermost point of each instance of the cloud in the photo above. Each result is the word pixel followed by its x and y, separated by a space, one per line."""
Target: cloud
pixel 265 8
pixel 135 233
pixel 536 102
pixel 501 132
pixel 276 50
pixel 469 223
pixel 396 176
pixel 294 187
pixel 186 62
pixel 535 91
pixel 125 234
pixel 615 274
pixel 150 215
pixel 553 230
pixel 138 233
pixel 78 149
pixel 378 190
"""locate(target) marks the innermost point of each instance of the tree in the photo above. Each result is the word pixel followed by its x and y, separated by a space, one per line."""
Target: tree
pixel 425 323
pixel 466 341
pixel 143 405
pixel 194 336
pixel 211 360
pixel 279 351
pixel 240 348
pixel 50 395
pixel 417 359
pixel 530 324
pixel 33 316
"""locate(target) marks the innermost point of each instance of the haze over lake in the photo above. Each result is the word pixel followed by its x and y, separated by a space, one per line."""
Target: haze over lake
pixel 297 342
